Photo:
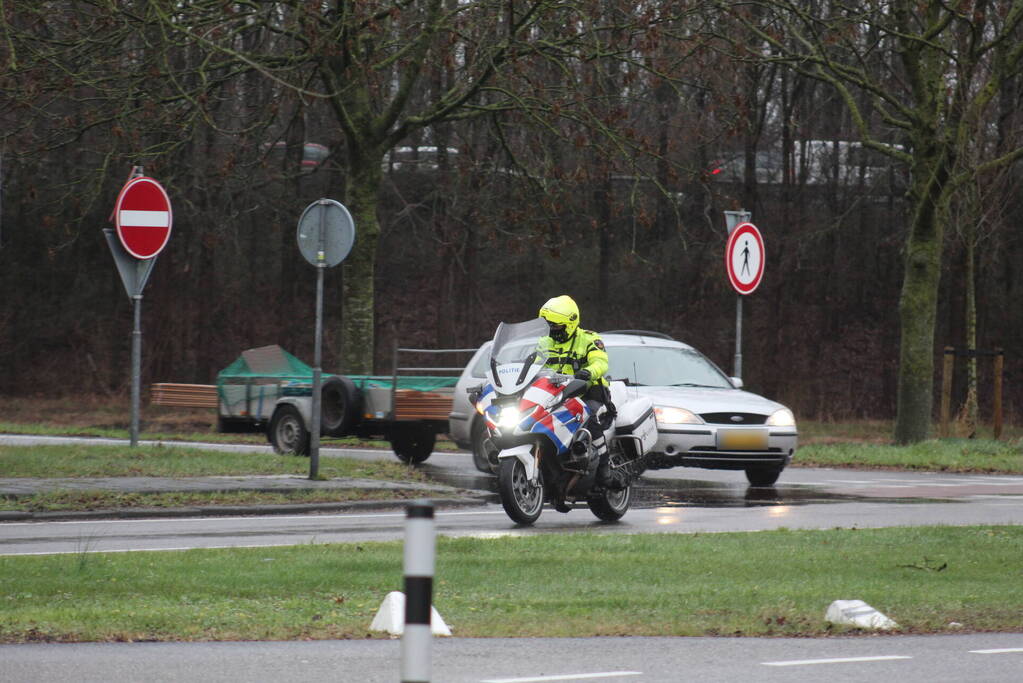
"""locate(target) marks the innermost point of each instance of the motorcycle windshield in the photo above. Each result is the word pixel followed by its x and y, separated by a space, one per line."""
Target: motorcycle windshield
pixel 518 353
pixel 514 342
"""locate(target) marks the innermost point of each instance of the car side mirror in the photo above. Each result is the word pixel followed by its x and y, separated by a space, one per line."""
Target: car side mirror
pixel 736 382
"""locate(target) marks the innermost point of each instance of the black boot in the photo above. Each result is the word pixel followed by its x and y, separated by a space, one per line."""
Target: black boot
pixel 614 479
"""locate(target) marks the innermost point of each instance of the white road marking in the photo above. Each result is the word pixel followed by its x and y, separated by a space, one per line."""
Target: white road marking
pixel 837 660
pixel 564 677
pixel 999 651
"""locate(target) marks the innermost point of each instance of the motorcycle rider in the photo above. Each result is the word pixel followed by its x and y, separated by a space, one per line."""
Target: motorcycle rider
pixel 580 353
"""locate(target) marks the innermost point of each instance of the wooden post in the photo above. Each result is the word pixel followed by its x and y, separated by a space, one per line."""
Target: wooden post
pixel 999 361
pixel 946 389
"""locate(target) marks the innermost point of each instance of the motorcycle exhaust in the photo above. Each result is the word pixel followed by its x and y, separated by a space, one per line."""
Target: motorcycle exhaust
pixel 581 443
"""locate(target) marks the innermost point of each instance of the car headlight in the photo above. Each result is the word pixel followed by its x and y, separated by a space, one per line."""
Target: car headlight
pixel 782 418
pixel 508 417
pixel 675 416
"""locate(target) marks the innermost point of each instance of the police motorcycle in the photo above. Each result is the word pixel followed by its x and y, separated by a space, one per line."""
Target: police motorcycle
pixel 540 425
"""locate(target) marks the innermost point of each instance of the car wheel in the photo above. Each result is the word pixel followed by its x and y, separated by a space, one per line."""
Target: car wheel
pixel 287 433
pixel 480 455
pixel 762 476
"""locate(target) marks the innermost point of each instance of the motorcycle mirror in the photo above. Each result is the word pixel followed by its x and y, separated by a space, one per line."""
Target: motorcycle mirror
pixel 575 387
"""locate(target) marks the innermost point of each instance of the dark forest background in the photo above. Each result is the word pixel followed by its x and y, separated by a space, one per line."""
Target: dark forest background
pixel 484 219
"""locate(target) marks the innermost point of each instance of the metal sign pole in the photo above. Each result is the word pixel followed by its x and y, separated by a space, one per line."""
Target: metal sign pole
pixel 314 442
pixel 737 367
pixel 136 370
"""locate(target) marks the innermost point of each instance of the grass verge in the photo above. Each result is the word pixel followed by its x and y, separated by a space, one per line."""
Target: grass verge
pixel 256 438
pixel 937 455
pixel 712 584
pixel 76 460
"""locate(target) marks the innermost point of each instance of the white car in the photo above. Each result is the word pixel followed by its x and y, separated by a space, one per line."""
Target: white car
pixel 704 418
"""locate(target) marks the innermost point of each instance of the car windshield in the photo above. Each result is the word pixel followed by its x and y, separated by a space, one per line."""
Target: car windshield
pixel 662 366
pixel 517 342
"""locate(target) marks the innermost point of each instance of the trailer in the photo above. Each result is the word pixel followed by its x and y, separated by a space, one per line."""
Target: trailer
pixel 269 389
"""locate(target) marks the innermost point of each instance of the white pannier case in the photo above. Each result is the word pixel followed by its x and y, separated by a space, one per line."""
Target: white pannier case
pixel 635 424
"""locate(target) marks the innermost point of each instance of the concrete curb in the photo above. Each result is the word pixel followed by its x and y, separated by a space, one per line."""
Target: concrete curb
pixel 236 510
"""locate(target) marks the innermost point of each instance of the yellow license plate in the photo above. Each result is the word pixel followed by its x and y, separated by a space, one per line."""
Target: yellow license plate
pixel 742 440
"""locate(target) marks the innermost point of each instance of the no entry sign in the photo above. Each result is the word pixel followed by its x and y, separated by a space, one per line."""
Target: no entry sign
pixel 744 258
pixel 143 217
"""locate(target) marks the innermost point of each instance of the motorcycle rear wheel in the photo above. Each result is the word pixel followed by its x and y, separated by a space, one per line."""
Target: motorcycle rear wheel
pixel 520 498
pixel 609 505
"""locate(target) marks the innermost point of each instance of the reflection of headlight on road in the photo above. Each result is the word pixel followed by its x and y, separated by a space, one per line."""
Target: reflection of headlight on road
pixel 667 415
pixel 668 516
pixel 782 418
pixel 509 417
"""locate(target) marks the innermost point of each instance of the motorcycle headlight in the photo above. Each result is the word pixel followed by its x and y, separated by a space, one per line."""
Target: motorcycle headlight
pixel 668 415
pixel 782 418
pixel 508 417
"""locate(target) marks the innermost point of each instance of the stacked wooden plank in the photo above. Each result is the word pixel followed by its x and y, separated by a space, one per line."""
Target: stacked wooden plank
pixel 184 395
pixel 421 405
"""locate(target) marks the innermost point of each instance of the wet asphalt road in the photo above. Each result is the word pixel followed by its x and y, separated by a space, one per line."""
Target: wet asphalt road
pixel 666 501
pixel 678 500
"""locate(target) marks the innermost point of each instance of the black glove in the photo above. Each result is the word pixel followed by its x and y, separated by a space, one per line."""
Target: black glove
pixel 583 374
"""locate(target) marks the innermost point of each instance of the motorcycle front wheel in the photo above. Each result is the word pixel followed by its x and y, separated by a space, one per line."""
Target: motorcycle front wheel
pixel 522 500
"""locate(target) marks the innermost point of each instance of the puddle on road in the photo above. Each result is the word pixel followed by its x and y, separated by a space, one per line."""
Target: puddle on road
pixel 651 493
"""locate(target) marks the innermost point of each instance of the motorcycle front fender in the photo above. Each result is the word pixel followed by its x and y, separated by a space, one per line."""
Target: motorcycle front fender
pixel 525 454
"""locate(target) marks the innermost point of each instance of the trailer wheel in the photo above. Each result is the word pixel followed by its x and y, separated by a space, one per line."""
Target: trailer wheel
pixel 340 406
pixel 412 443
pixel 287 433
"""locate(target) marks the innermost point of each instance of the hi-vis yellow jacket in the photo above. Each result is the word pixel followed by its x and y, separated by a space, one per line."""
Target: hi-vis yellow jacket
pixel 583 351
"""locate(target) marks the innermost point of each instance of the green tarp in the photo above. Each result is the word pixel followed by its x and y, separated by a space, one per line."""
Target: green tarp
pixel 424 383
pixel 273 362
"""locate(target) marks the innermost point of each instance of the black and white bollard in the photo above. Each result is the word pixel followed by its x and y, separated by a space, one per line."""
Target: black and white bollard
pixel 416 640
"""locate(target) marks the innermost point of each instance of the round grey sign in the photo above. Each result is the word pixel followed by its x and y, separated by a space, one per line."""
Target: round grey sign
pixel 326 233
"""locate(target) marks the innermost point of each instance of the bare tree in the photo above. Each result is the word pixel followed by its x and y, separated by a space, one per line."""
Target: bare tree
pixel 944 68
pixel 388 69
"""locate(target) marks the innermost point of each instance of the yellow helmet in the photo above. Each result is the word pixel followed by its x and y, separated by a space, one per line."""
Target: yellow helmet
pixel 562 315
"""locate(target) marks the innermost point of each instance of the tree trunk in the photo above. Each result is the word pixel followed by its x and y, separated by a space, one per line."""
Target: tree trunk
pixel 918 303
pixel 603 197
pixel 970 408
pixel 357 290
